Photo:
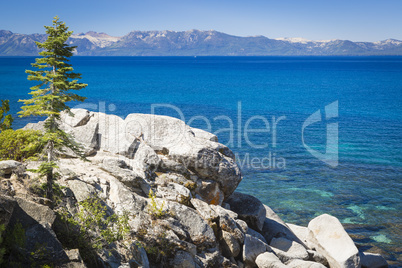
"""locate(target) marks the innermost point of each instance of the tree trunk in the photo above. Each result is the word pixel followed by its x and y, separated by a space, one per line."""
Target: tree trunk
pixel 49 175
pixel 49 190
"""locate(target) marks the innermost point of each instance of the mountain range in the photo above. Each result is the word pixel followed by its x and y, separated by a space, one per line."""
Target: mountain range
pixel 196 43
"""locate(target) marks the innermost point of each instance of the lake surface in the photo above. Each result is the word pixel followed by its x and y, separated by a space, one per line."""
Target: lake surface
pixel 313 135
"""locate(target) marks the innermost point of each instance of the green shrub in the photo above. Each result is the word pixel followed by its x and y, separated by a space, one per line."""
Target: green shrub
pixel 40 189
pixel 14 244
pixel 16 238
pixel 92 228
pixel 5 120
pixel 20 144
pixel 92 218
pixel 155 211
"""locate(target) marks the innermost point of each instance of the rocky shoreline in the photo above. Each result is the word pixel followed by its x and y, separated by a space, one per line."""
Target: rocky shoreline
pixel 176 184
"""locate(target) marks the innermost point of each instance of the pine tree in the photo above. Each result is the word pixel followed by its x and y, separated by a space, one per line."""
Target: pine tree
pixel 5 120
pixel 56 80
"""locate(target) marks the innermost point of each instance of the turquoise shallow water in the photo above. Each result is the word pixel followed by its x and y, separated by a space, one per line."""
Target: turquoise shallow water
pixel 278 94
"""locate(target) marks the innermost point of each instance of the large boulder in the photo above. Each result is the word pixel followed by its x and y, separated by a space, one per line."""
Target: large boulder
pixel 182 148
pixel 256 235
pixel 169 165
pixel 206 212
pixel 174 192
pixel 113 137
pixel 328 237
pixel 249 209
pixel 268 260
pixel 35 126
pixel 288 250
pixel 244 228
pixel 160 132
pixel 172 137
pixel 134 178
pixel 274 226
pixel 304 264
pixel 372 260
pixel 145 158
pixel 7 167
pixel 252 248
pixel 87 136
pixel 200 233
pixel 81 190
pixel 79 125
pixel 121 199
pixel 85 131
pixel 230 244
pixel 42 214
pixel 223 212
pixel 228 224
pixel 208 163
pixel 209 191
pixel 30 239
pixel 75 117
pixel 301 232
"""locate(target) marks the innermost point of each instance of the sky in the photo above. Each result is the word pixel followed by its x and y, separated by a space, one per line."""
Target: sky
pixel 355 20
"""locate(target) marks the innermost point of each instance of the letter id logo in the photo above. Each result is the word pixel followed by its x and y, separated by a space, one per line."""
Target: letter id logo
pixel 330 157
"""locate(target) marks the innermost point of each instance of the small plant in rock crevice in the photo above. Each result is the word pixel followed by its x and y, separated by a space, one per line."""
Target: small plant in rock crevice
pixel 92 228
pixel 155 210
pixel 93 218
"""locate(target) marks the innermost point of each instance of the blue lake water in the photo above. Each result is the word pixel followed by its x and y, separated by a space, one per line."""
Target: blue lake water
pixel 232 96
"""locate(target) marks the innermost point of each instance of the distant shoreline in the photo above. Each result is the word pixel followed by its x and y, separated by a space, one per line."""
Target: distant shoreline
pixel 197 43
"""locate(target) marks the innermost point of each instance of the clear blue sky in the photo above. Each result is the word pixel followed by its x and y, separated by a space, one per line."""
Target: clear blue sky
pixel 356 20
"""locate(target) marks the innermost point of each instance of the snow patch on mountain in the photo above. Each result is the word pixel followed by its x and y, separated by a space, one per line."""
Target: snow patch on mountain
pixel 98 39
pixel 302 40
pixel 389 42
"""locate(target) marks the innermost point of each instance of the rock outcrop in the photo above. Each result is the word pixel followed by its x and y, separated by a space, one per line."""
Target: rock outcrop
pixel 372 260
pixel 9 167
pixel 159 143
pixel 329 238
pixel 288 250
pixel 30 239
pixel 269 260
pixel 249 209
pixel 171 189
